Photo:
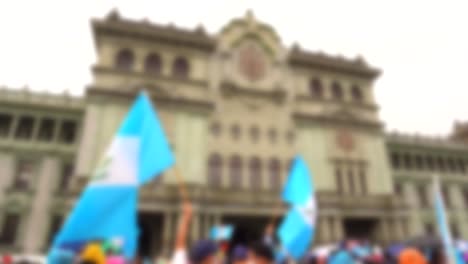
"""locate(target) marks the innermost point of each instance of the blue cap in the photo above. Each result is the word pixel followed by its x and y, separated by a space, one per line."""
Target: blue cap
pixel 239 253
pixel 201 250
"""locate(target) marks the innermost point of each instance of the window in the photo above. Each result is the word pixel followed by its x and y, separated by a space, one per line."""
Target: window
pixel 418 162
pixel 180 69
pixel 395 160
pixel 65 176
pixel 235 167
pixel 5 124
pixel 54 227
pixel 363 180
pixel 430 163
pixel 254 133
pixel 446 196
pixel 423 200
pixel 290 137
pixel 9 229
pixel 455 230
pixel 339 181
pixel 356 93
pixel 337 92
pixel 255 168
pixel 25 128
pixel 46 130
pixel 272 135
pixel 124 60
pixel 235 131
pixel 465 197
pixel 275 174
pixel 316 88
pixel 215 129
pixel 407 161
pixel 461 165
pixel 451 165
pixel 429 228
pixel 398 188
pixel 215 166
pixel 441 163
pixel 68 132
pixel 153 64
pixel 23 176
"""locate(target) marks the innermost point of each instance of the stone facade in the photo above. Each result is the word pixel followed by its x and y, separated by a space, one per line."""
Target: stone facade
pixel 237 107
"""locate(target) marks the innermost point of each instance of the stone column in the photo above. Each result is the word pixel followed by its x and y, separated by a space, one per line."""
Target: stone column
pixel 40 215
pixel 86 153
pixel 325 229
pixel 206 225
pixel 338 228
pixel 458 214
pixel 415 224
pixel 168 232
pixel 385 233
pixel 398 225
pixel 195 227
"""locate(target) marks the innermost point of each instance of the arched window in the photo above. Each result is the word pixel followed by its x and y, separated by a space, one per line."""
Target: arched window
pixel 441 163
pixel 255 168
pixel 153 64
pixel 272 135
pixel 316 88
pixel 430 163
pixel 235 132
pixel 337 92
pixel 356 93
pixel 290 136
pixel 124 60
pixel 275 174
pixel 235 171
pixel 215 129
pixel 408 161
pixel 215 166
pixel 254 133
pixel 180 68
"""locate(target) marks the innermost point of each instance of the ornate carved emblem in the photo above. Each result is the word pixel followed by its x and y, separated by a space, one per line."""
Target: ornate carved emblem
pixel 251 62
pixel 345 140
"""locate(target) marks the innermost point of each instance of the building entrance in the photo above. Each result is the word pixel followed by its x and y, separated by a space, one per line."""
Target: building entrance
pixel 150 242
pixel 248 229
pixel 360 228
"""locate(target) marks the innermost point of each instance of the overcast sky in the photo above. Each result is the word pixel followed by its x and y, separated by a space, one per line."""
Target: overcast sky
pixel 421 46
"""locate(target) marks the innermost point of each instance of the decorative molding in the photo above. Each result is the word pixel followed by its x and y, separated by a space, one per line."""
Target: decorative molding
pixel 360 105
pixel 229 89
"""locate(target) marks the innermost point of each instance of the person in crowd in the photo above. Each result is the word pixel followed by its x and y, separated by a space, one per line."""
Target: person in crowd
pixel 411 256
pixel 93 253
pixel 202 252
pixel 239 255
pixel 180 250
pixel 261 253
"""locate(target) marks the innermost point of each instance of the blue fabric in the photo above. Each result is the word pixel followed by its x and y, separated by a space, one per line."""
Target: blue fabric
pixel 295 234
pixel 155 153
pixel 341 257
pixel 102 213
pixel 299 187
pixel 223 232
pixel 297 230
pixel 109 210
pixel 444 230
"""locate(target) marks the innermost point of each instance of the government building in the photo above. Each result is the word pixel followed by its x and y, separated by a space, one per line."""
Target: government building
pixel 236 106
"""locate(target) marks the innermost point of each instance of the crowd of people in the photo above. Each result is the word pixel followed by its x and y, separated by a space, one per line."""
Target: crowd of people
pixel 264 251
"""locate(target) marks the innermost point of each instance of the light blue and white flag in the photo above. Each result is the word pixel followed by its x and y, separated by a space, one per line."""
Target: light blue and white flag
pixel 107 208
pixel 221 233
pixel 442 225
pixel 298 227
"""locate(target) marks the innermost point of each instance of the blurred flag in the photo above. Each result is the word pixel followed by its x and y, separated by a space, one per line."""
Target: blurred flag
pixel 444 230
pixel 298 227
pixel 221 233
pixel 107 208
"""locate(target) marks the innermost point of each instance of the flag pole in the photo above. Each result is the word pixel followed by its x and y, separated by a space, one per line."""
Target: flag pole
pixel 181 185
